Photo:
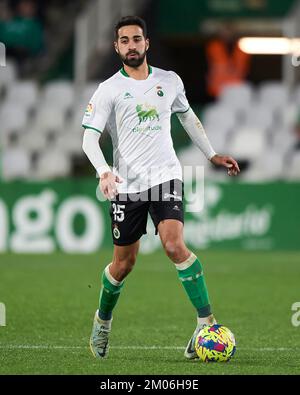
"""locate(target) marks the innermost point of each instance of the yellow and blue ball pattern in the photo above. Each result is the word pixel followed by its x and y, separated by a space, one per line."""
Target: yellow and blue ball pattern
pixel 215 343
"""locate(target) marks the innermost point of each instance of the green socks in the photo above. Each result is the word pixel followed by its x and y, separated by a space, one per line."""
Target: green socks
pixel 190 273
pixel 109 294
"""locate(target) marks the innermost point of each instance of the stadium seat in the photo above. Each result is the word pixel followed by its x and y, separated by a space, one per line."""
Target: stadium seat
pixel 273 95
pixel 296 96
pixel 71 141
pixel 35 139
pixel 53 163
pixel 247 143
pixel 49 118
pixel 292 171
pixel 5 140
pixel 16 163
pixel 266 167
pixel 283 139
pixel 59 95
pixel 219 115
pixel 23 94
pixel 259 117
pixel 13 118
pixel 218 136
pixel 289 114
pixel 77 116
pixel 8 75
pixel 237 97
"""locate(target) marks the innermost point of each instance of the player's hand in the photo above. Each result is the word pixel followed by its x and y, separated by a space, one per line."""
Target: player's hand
pixel 108 184
pixel 228 162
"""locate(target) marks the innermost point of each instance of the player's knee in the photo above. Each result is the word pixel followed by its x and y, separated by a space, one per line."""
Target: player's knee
pixel 175 249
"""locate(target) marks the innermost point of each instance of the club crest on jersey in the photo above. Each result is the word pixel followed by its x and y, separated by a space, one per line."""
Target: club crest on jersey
pixel 89 109
pixel 116 232
pixel 146 113
pixel 159 91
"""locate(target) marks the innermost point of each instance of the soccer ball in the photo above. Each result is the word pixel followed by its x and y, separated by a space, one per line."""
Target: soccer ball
pixel 215 343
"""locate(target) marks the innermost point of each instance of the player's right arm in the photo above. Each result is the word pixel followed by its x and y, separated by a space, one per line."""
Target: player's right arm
pixel 108 180
pixel 94 120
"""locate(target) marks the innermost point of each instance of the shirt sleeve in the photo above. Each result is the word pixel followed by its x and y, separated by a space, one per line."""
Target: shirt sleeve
pixel 98 110
pixel 180 104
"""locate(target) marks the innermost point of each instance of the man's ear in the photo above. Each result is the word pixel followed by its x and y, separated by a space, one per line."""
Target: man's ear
pixel 116 47
pixel 147 44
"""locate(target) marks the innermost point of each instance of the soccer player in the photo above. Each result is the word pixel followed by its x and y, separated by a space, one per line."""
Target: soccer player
pixel 136 104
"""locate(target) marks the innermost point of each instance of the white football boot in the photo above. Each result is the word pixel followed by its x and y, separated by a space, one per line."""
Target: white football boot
pixel 190 352
pixel 99 344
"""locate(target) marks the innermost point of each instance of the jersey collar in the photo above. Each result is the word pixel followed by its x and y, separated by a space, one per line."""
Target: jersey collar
pixel 122 71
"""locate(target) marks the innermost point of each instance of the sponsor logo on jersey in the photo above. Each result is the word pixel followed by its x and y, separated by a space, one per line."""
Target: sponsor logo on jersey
pixel 174 196
pixel 146 112
pixel 128 96
pixel 89 109
pixel 148 128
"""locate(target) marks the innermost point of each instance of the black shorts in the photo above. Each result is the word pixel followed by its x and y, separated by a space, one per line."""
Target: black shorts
pixel 129 212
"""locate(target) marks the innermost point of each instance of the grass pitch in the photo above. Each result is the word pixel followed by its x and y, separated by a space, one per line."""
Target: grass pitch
pixel 51 299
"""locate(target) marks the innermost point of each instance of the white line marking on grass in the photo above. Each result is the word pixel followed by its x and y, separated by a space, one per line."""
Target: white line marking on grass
pixel 56 347
pixel 48 346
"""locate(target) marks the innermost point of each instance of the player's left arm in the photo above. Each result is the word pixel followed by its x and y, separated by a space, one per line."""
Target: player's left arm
pixel 195 130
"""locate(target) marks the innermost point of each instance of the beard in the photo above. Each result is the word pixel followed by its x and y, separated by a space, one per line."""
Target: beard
pixel 133 62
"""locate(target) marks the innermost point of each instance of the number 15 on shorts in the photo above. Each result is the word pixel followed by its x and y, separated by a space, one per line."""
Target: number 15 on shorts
pixel 118 212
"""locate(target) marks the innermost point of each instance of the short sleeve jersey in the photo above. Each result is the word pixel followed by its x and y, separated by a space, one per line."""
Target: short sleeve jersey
pixel 137 115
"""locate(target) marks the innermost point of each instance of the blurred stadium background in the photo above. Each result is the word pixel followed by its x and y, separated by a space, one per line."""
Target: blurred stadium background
pixel 247 94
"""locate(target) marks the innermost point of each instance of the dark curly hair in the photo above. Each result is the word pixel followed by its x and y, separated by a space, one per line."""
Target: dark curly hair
pixel 130 20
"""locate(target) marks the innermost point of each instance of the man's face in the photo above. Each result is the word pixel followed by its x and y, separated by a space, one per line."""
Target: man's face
pixel 27 8
pixel 131 45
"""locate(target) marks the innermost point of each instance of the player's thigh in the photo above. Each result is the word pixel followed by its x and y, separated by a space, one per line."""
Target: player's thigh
pixel 128 221
pixel 168 205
